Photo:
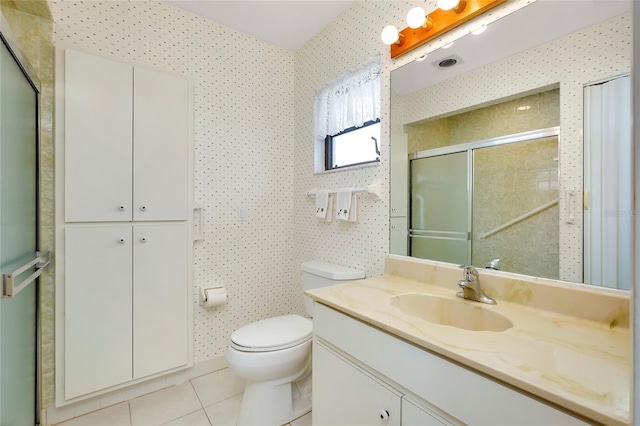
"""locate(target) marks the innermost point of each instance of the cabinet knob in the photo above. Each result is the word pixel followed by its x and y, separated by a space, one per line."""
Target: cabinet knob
pixel 122 208
pixel 384 415
pixel 143 208
pixel 122 240
pixel 143 239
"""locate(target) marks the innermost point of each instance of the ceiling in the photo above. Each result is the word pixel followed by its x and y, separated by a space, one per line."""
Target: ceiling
pixel 287 24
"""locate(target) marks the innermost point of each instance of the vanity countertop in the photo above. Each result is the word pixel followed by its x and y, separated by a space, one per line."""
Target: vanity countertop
pixel 575 363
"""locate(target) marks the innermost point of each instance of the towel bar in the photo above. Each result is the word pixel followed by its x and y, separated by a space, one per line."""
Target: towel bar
pixel 374 189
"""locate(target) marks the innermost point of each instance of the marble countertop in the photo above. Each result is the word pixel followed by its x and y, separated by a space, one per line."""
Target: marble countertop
pixel 578 364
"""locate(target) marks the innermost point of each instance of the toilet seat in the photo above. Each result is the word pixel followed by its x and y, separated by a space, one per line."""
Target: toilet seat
pixel 272 334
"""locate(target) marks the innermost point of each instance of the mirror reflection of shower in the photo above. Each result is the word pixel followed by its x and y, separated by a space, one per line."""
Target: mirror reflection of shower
pixel 504 190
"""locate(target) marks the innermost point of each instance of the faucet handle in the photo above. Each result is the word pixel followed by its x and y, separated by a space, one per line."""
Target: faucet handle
pixel 469 271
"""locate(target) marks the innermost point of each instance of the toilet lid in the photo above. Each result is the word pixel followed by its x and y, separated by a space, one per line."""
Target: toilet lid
pixel 272 334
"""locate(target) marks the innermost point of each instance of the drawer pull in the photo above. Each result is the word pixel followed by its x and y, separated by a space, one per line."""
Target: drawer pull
pixel 384 415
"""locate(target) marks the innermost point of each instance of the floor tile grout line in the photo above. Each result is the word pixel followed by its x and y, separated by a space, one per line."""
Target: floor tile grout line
pixel 184 415
pixel 196 392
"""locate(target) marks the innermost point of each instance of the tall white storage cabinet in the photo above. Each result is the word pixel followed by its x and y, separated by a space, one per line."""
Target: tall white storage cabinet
pixel 124 232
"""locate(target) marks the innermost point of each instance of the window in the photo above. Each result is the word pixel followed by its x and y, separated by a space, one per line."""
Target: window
pixel 353 146
pixel 347 119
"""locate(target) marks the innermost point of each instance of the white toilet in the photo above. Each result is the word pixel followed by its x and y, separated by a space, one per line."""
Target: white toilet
pixel 274 355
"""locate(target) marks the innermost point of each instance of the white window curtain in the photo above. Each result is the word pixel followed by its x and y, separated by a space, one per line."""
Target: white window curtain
pixel 349 101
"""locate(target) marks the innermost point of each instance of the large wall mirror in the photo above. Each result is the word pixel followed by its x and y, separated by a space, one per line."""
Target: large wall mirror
pixel 511 149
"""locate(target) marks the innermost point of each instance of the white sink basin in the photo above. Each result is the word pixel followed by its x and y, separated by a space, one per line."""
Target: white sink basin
pixel 458 313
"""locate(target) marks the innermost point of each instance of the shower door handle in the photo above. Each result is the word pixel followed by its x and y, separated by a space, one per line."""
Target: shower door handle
pixel 40 261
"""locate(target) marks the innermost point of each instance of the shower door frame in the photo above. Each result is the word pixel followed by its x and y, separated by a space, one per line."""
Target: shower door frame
pixel 469 147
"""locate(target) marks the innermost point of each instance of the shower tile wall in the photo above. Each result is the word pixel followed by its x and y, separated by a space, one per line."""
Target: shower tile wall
pixel 597 52
pixel 243 148
pixel 488 122
pixel 30 21
pixel 510 180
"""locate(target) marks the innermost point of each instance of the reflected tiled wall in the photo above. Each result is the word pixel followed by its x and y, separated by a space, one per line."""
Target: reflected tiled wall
pixel 537 111
pixel 509 181
pixel 30 21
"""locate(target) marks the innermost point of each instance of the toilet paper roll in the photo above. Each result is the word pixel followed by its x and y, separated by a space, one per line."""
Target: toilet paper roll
pixel 215 297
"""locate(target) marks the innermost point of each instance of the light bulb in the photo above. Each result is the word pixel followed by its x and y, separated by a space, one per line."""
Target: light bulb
pixel 390 34
pixel 416 17
pixel 448 45
pixel 448 4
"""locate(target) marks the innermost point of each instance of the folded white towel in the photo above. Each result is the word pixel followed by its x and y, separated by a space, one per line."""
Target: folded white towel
pixel 324 205
pixel 347 205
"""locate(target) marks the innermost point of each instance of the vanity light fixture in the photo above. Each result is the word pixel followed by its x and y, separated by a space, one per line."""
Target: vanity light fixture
pixel 422 27
pixel 421 58
pixel 446 46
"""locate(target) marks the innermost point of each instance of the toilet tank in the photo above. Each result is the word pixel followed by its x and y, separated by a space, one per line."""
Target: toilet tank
pixel 318 273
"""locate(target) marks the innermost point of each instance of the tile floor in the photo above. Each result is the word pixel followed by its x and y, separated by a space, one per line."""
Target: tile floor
pixel 209 400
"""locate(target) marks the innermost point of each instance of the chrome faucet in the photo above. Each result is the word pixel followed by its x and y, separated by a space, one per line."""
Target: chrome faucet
pixel 470 286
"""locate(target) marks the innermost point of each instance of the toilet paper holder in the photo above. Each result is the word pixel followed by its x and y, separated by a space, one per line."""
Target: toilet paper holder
pixel 212 296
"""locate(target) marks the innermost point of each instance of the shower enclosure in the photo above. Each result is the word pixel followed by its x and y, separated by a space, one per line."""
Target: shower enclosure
pixel 495 198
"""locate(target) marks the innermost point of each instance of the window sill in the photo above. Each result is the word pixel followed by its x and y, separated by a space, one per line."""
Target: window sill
pixel 360 166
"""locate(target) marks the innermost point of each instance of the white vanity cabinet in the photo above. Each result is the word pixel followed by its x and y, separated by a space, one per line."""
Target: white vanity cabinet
pixel 126 304
pixel 126 132
pixel 432 390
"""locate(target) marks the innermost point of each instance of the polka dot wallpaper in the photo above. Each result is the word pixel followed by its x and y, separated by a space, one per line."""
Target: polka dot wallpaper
pixel 243 148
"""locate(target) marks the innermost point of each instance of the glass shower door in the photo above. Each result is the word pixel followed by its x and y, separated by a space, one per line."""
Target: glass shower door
pixel 439 224
pixel 18 239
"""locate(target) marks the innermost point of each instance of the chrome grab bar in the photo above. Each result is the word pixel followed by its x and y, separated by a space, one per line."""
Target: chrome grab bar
pixel 40 262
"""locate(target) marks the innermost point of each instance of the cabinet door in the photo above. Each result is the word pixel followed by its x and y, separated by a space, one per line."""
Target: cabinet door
pixel 345 395
pixel 161 136
pixel 97 297
pixel 160 298
pixel 412 415
pixel 398 236
pixel 98 137
pixel 399 171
